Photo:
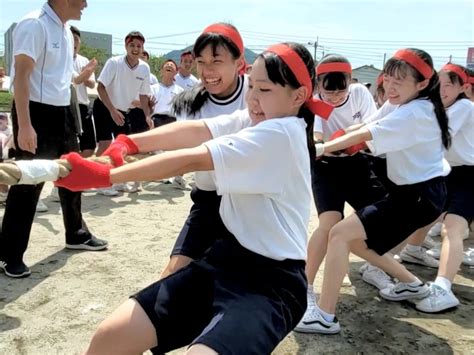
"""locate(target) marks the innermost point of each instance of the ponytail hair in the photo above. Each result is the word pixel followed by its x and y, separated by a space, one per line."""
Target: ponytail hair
pixel 400 69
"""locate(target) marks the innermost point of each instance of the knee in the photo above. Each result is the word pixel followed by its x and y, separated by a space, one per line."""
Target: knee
pixel 337 235
pixel 101 340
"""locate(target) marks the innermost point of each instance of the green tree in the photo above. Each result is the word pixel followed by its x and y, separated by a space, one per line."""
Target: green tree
pixel 99 54
pixel 155 64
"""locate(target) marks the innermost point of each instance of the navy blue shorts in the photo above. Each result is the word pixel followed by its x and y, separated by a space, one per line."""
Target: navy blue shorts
pixel 233 300
pixel 347 179
pixel 405 209
pixel 105 127
pixel 137 120
pixel 87 137
pixel 460 185
pixel 202 227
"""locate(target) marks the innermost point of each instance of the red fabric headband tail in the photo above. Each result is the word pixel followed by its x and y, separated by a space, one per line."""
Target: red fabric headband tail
pixel 458 70
pixel 333 67
pixel 228 32
pixel 415 61
pixel 298 67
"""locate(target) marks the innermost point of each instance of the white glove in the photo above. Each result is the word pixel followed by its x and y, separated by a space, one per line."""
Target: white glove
pixel 319 149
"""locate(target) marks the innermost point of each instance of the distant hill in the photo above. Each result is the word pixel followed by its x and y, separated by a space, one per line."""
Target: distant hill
pixel 176 54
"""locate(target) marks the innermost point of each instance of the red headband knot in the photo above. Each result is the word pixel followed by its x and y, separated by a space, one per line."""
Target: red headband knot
pixel 229 33
pixel 457 70
pixel 298 68
pixel 415 61
pixel 334 67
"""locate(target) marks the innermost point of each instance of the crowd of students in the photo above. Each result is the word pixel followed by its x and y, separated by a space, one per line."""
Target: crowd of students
pixel 242 266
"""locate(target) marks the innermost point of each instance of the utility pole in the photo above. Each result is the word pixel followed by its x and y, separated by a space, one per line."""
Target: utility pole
pixel 384 59
pixel 315 44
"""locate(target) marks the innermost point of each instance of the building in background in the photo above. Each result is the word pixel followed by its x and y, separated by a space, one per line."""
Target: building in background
pixel 470 58
pixel 101 41
pixel 366 74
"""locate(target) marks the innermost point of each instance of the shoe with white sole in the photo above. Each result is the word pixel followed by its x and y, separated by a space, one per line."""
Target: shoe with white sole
pixel 435 231
pixel 419 257
pixel 438 300
pixel 403 291
pixel 468 258
pixel 178 182
pixel 430 243
pixel 435 252
pixel 363 268
pixel 377 277
pixel 314 322
pixel 110 192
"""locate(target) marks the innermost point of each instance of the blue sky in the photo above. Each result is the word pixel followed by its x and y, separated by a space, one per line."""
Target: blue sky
pixel 361 30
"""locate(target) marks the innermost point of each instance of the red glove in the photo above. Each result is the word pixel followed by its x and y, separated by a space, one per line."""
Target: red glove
pixel 85 174
pixel 337 134
pixel 120 147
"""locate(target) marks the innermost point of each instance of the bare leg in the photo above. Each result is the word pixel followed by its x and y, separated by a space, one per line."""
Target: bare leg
pixel 451 251
pixel 128 330
pixel 176 262
pixel 200 349
pixel 318 243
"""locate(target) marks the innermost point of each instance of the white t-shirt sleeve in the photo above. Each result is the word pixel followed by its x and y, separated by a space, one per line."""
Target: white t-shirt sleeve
pixel 29 38
pixel 145 88
pixel 366 103
pixel 397 131
pixel 228 124
pixel 251 161
pixel 458 115
pixel 108 72
pixel 318 124
pixel 386 108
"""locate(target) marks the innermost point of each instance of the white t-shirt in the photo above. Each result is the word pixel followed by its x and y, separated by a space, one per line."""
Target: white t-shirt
pixel 153 79
pixel 411 138
pixel 123 82
pixel 263 175
pixel 81 90
pixel 216 107
pixel 164 96
pixel 42 36
pixel 359 105
pixel 187 82
pixel 461 127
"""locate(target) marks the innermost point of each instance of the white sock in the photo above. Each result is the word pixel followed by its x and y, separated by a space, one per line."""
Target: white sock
pixel 443 282
pixel 417 282
pixel 328 317
pixel 413 248
pixel 310 289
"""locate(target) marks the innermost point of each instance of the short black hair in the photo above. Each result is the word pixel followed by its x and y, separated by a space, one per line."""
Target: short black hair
pixel 75 31
pixel 146 54
pixel 134 35
pixel 185 53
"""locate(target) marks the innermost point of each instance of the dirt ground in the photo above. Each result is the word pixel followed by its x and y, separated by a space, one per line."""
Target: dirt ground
pixel 57 308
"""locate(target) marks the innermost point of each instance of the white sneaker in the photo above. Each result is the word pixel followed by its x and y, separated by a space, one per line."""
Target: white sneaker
pixel 377 277
pixel 314 322
pixel 435 231
pixel 126 187
pixel 3 197
pixel 430 243
pixel 107 192
pixel 403 291
pixel 435 252
pixel 438 300
pixel 364 268
pixel 419 257
pixel 468 258
pixel 178 182
pixel 54 195
pixel 41 207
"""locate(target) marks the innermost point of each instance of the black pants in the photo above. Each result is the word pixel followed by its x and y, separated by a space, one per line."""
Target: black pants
pixel 55 136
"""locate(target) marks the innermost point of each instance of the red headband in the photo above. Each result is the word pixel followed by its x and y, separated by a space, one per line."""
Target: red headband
pixel 298 67
pixel 229 33
pixel 415 61
pixel 334 67
pixel 380 80
pixel 458 70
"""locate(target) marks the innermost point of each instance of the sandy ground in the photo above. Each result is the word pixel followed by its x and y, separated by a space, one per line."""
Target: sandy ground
pixel 57 308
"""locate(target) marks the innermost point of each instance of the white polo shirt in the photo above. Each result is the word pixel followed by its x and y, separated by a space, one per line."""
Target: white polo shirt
pixel 214 107
pixel 164 96
pixel 358 105
pixel 81 90
pixel 263 175
pixel 124 82
pixel 186 82
pixel 42 36
pixel 461 127
pixel 411 138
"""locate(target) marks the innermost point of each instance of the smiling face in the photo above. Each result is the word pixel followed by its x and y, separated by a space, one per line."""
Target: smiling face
pixel 267 100
pixel 449 91
pixel 401 88
pixel 186 64
pixel 134 49
pixel 218 70
pixel 168 72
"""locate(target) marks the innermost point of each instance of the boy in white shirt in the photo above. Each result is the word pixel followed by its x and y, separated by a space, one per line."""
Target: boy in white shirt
pixel 184 77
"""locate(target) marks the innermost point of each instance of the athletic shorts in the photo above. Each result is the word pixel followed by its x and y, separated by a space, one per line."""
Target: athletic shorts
pixel 137 120
pixel 460 185
pixel 105 127
pixel 405 209
pixel 161 119
pixel 346 179
pixel 233 301
pixel 202 227
pixel 87 138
